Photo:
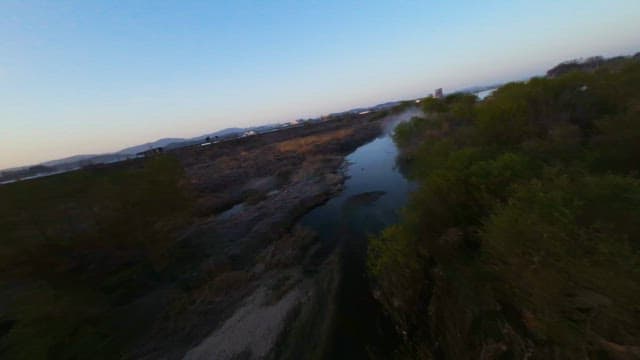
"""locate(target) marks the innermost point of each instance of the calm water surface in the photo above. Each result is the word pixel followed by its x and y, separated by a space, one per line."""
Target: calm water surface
pixel 373 196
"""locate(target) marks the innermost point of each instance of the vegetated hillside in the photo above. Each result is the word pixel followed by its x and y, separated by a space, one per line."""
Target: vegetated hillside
pixel 523 239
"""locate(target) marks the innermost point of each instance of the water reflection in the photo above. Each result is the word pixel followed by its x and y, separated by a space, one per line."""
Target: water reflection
pixel 372 199
pixel 371 168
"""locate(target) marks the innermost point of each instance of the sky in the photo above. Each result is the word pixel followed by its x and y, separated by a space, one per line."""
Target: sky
pixel 84 77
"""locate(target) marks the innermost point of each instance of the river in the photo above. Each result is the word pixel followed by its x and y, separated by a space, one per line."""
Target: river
pixel 373 196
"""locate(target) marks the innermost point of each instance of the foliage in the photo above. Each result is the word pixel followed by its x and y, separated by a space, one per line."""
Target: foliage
pixel 525 220
pixel 569 260
pixel 78 245
pixel 433 105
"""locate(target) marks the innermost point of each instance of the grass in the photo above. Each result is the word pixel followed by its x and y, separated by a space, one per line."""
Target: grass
pixel 77 246
pixel 311 142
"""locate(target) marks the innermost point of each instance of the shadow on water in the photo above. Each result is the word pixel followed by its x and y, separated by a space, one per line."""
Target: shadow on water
pixel 373 196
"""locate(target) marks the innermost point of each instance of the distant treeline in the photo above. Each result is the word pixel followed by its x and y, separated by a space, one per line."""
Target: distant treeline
pixel 523 239
pixel 9 175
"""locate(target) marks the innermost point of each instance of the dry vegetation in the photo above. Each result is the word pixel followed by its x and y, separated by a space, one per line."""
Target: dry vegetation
pixel 312 142
pixel 131 260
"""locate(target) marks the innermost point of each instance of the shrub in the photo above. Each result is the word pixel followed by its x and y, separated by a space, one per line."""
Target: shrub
pixel 523 233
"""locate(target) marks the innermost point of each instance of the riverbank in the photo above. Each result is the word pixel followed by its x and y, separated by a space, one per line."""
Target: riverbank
pixel 298 275
pixel 250 195
pixel 372 199
pixel 195 253
pixel 151 257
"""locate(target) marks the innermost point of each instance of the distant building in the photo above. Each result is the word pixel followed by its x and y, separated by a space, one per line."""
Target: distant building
pixel 438 94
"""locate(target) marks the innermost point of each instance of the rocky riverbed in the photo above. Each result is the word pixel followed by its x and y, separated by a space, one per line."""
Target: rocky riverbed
pixel 256 287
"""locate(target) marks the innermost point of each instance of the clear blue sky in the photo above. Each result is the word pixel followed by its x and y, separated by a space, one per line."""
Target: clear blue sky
pixel 96 76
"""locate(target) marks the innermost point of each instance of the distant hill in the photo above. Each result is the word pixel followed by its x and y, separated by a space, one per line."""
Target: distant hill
pixel 590 64
pixel 223 132
pixel 70 159
pixel 77 161
pixel 150 145
pixel 174 143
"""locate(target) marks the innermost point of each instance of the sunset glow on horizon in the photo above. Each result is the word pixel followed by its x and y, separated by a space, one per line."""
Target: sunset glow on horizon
pixel 95 77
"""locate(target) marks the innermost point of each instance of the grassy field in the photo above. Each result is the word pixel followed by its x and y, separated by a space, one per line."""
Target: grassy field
pixel 77 249
pixel 312 142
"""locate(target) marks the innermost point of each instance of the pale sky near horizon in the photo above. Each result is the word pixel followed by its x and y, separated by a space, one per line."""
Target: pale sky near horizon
pixel 81 77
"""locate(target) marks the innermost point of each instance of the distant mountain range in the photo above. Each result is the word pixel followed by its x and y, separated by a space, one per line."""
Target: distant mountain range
pixel 173 143
pixel 151 145
pixel 78 161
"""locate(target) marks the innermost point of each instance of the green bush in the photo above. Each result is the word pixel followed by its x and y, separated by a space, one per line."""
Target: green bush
pixel 567 260
pixel 525 220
